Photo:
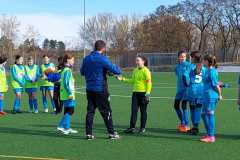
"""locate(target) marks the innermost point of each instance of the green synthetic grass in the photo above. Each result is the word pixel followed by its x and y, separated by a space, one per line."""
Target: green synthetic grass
pixel 35 135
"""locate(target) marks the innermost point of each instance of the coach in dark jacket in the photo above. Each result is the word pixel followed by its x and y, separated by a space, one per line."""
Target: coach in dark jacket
pixel 95 68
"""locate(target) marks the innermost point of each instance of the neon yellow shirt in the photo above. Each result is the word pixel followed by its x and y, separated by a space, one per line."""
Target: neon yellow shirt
pixel 141 80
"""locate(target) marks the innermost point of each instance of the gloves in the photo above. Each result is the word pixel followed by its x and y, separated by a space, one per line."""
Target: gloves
pixel 147 98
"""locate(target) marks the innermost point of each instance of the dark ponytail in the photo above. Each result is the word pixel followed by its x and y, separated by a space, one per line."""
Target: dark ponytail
pixel 144 59
pixel 198 61
pixel 17 57
pixel 212 60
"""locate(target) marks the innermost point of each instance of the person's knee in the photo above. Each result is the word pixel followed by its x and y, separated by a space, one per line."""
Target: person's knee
pixel 18 95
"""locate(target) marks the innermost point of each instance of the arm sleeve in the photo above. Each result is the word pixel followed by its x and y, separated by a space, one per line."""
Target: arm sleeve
pixel 14 75
pixel 82 68
pixel 66 81
pixel 53 77
pixel 40 71
pixel 214 78
pixel 111 67
pixel 148 81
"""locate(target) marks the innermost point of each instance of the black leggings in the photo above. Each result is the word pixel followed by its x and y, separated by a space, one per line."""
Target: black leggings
pixel 139 101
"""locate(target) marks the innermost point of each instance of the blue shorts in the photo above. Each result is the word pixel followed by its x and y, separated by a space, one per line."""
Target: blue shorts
pixel 69 103
pixel 46 88
pixel 18 90
pixel 195 101
pixel 181 95
pixel 30 90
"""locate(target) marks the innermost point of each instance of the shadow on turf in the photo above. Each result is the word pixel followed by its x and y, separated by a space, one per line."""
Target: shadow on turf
pixel 100 128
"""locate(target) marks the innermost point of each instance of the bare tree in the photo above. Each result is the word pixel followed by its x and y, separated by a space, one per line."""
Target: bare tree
pixel 200 14
pixel 9 28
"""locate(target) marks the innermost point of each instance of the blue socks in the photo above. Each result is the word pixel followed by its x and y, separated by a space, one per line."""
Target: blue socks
pixel 197 116
pixel 65 121
pixel 209 122
pixel 1 105
pixel 35 104
pixel 45 103
pixel 179 114
pixel 30 101
pixel 185 117
pixel 17 104
pixel 53 104
pixel 211 125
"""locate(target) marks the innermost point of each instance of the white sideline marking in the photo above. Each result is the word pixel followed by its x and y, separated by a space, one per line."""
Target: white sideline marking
pixel 125 96
pixel 33 158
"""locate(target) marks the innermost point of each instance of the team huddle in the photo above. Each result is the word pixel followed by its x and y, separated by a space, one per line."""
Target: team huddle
pixel 197 84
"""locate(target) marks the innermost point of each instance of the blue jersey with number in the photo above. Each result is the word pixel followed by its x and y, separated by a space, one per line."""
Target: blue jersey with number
pixel 210 84
pixel 196 86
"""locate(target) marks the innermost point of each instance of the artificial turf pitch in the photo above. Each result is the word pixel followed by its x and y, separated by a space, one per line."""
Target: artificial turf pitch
pixel 35 135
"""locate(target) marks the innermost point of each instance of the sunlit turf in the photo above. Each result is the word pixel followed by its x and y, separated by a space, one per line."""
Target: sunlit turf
pixel 35 135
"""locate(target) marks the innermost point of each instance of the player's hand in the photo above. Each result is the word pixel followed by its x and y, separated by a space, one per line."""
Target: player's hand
pixel 70 97
pixel 147 97
pixel 120 78
pixel 220 97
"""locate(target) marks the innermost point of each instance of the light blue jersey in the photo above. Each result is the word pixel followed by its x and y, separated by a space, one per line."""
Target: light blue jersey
pixel 196 86
pixel 210 84
pixel 180 71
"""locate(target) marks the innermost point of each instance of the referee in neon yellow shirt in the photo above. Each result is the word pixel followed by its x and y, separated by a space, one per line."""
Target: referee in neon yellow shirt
pixel 142 86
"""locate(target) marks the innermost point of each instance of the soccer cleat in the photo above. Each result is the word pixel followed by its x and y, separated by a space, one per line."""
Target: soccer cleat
pixel 36 111
pixel 2 113
pixel 46 110
pixel 114 136
pixel 179 127
pixel 142 130
pixel 129 130
pixel 60 129
pixel 73 131
pixel 90 137
pixel 66 131
pixel 208 139
pixel 30 111
pixel 19 111
pixel 184 129
pixel 194 131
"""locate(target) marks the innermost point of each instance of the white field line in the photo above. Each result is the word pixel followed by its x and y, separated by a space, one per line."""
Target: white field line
pixel 128 96
pixel 32 158
pixel 164 87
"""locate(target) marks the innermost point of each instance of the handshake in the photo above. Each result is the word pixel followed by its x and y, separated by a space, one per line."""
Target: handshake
pixel 118 77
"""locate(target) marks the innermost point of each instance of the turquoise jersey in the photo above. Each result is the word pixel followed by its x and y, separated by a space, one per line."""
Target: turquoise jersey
pixel 180 70
pixel 196 85
pixel 210 84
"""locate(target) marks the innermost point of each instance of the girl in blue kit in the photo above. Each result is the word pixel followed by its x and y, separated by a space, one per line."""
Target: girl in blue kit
pixel 67 95
pixel 18 82
pixel 212 93
pixel 3 85
pixel 195 91
pixel 32 73
pixel 180 103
